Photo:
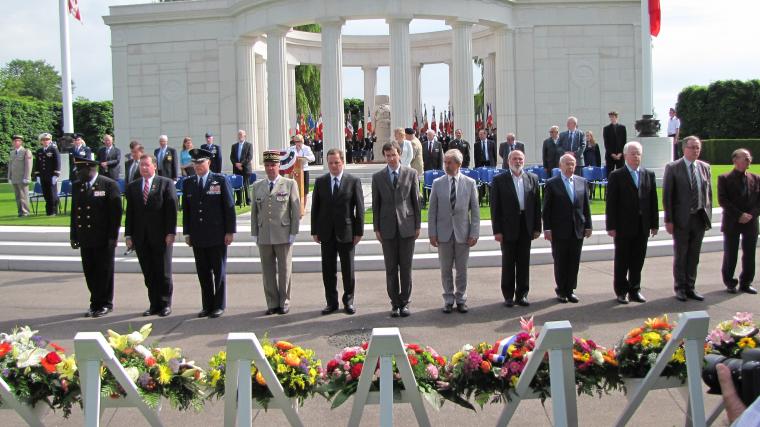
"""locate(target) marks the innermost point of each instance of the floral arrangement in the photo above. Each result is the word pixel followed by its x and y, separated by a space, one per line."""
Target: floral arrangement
pixel 297 369
pixel 38 370
pixel 731 337
pixel 344 369
pixel 596 368
pixel 639 349
pixel 157 371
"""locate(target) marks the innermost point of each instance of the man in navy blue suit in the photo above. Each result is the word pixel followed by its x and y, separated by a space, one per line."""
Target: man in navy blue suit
pixel 216 153
pixel 573 141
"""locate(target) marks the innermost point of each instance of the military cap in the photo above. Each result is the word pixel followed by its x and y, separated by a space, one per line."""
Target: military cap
pixel 198 155
pixel 409 131
pixel 15 137
pixel 83 161
pixel 272 156
pixel 209 134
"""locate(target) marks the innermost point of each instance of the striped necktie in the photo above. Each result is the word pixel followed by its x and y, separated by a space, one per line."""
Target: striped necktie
pixel 453 194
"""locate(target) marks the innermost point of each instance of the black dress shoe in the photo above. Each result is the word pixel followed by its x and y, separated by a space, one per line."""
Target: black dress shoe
pixel 165 312
pixel 523 302
pixel 284 310
pixel 349 309
pixel 509 303
pixel 404 311
pixel 395 312
pixel 216 313
pixel 462 308
pixel 748 289
pixel 271 311
pixel 203 313
pixel 695 295
pixel 680 295
pixel 621 299
pixel 732 290
pixel 636 297
pixel 149 312
pixel 330 309
pixel 100 312
pixel 88 313
pixel 572 298
pixel 447 308
pixel 561 299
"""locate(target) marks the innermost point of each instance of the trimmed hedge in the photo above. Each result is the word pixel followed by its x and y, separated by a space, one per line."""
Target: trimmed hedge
pixel 718 151
pixel 724 109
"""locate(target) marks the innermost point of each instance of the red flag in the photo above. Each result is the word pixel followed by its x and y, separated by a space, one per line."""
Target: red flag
pixel 74 10
pixel 654 17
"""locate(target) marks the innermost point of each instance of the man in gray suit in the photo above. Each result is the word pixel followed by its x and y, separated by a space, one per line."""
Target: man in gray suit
pixel 687 201
pixel 396 221
pixel 507 147
pixel 573 141
pixel 109 159
pixel 454 227
pixel 275 217
pixel 20 174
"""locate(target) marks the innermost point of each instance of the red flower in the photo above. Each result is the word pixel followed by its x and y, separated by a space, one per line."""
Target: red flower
pixel 331 365
pixel 413 361
pixel 348 355
pixel 440 360
pixel 365 344
pixel 5 348
pixel 356 370
pixel 150 362
pixel 633 340
pixel 414 347
pixel 57 347
pixel 53 358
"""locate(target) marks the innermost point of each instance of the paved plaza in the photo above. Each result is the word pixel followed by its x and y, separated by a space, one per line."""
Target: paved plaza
pixel 55 303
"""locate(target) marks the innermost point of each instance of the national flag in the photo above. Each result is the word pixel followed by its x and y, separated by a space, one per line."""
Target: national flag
pixel 440 123
pixel 369 122
pixel 360 132
pixel 502 349
pixel 489 117
pixel 303 125
pixel 478 123
pixel 424 121
pixel 433 124
pixel 311 122
pixel 445 122
pixel 654 17
pixel 414 123
pixel 349 130
pixel 451 120
pixel 74 10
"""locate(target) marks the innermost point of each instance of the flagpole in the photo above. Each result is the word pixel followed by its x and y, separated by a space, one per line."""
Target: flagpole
pixel 647 104
pixel 68 115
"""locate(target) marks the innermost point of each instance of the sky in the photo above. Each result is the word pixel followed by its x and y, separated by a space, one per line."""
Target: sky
pixel 700 41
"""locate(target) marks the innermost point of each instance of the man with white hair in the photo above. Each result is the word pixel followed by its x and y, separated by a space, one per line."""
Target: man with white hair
pixel 573 141
pixel 631 217
pixel 432 153
pixel 509 146
pixel 47 168
pixel 166 157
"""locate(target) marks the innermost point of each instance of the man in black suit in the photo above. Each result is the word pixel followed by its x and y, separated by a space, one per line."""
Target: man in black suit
pixel 516 221
pixel 109 159
pixel 337 224
pixel 507 147
pixel 208 223
pixel 687 202
pixel 485 151
pixel 241 156
pixel 567 220
pixel 47 167
pixel 552 151
pixel 78 150
pixel 166 158
pixel 461 145
pixel 631 217
pixel 739 196
pixel 215 150
pixel 95 222
pixel 432 153
pixel 573 141
pixel 150 228
pixel 132 166
pixel 615 137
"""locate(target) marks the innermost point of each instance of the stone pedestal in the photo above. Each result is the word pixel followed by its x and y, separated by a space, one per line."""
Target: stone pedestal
pixel 658 151
pixel 381 121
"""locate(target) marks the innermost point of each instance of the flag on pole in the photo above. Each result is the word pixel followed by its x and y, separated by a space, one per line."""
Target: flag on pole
pixel 369 122
pixel 654 17
pixel 489 117
pixel 311 122
pixel 432 123
pixel 74 10
pixel 440 122
pixel 319 127
pixel 360 132
pixel 415 124
pixel 424 121
pixel 303 125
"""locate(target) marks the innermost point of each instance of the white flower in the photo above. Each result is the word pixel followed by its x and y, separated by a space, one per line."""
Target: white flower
pixel 30 357
pixel 142 351
pixel 135 338
pixel 598 357
pixel 468 347
pixel 133 373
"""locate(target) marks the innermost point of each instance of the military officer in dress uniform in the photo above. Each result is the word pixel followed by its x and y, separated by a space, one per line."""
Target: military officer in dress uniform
pixel 81 150
pixel 47 168
pixel 95 222
pixel 216 153
pixel 275 217
pixel 208 223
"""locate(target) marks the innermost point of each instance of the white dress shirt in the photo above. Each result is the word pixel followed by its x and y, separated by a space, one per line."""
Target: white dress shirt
pixel 519 188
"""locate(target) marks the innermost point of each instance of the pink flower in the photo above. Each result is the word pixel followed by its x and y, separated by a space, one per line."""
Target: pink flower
pixel 743 318
pixel 432 371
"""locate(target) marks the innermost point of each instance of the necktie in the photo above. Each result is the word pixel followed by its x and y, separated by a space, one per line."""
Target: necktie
pixel 569 188
pixel 240 151
pixel 200 184
pixel 485 150
pixel 694 189
pixel 395 179
pixel 744 185
pixel 132 169
pixel 146 190
pixel 161 155
pixel 271 186
pixel 336 185
pixel 635 175
pixel 453 194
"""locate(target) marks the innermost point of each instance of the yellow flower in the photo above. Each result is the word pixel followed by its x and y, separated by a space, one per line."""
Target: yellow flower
pixel 457 357
pixel 281 368
pixel 513 380
pixel 679 356
pixel 164 374
pixel 651 339
pixel 269 351
pixel 117 342
pixel 214 376
pixel 218 359
pixel 168 353
pixel 312 374
pixel 67 368
pixel 747 342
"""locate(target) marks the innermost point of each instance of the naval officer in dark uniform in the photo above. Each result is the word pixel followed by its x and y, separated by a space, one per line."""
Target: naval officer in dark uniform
pixel 47 167
pixel 208 223
pixel 95 222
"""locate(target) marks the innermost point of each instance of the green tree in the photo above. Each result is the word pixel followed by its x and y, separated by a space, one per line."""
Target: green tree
pixel 479 97
pixel 307 82
pixel 33 79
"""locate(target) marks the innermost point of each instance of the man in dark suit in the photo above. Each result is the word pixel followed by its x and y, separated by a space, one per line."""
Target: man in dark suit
pixel 47 167
pixel 516 221
pixel 215 150
pixel 687 201
pixel 208 223
pixel 631 217
pixel 166 158
pixel 615 136
pixel 132 166
pixel 240 157
pixel 485 151
pixel 109 159
pixel 567 221
pixel 337 224
pixel 95 222
pixel 78 150
pixel 573 141
pixel 507 147
pixel 150 228
pixel 432 153
pixel 461 145
pixel 552 151
pixel 739 196
pixel 396 221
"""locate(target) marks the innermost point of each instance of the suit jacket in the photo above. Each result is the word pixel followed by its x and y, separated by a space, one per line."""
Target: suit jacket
pixel 505 207
pixel 464 221
pixel 149 223
pixel 208 214
pixel 480 156
pixel 592 156
pixel 432 158
pixel 464 147
pixel 95 213
pixel 631 211
pixel 504 152
pixel 735 201
pixel 84 152
pixel 576 144
pixel 275 215
pixel 676 192
pixel 615 137
pixel 20 166
pixel 216 159
pixel 127 167
pixel 113 170
pixel 338 216
pixel 396 208
pixel 246 155
pixel 168 166
pixel 47 162
pixel 566 219
pixel 551 153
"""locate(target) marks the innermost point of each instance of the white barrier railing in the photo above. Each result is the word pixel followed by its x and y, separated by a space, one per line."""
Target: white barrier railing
pixel 242 349
pixel 385 344
pixel 92 351
pixel 692 329
pixel 26 412
pixel 556 338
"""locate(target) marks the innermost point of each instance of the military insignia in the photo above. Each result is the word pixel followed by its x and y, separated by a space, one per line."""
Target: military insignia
pixel 100 193
pixel 214 189
pixel 169 157
pixel 49 154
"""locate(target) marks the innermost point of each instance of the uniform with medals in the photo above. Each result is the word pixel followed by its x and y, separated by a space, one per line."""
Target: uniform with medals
pixel 47 168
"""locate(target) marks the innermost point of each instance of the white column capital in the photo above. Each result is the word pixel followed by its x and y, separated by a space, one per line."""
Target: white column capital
pixel 461 22
pixel 260 59
pixel 392 19
pixel 331 20
pixel 277 30
pixel 369 68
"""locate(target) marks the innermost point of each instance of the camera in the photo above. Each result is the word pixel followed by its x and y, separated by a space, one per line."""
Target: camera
pixel 745 373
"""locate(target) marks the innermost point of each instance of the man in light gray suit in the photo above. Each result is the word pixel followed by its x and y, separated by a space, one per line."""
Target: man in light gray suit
pixel 573 141
pixel 396 221
pixel 687 202
pixel 20 174
pixel 275 217
pixel 454 227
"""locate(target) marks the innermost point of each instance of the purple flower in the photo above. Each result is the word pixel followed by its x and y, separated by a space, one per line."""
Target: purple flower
pixel 39 341
pixel 6 372
pixel 473 361
pixel 174 365
pixel 143 379
pixel 743 318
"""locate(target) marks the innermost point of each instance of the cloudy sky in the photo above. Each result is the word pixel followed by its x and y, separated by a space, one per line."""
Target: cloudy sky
pixel 701 41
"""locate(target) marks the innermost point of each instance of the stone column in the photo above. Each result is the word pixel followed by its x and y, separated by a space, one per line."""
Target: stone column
pixel 292 111
pixel 461 60
pixel 416 88
pixel 400 69
pixel 331 85
pixel 370 91
pixel 489 92
pixel 262 121
pixel 277 88
pixel 451 91
pixel 504 71
pixel 246 91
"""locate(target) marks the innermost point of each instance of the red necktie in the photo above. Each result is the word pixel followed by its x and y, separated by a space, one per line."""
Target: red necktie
pixel 146 190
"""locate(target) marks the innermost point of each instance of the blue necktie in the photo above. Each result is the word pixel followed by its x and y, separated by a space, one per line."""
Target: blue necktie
pixel 240 151
pixel 635 175
pixel 569 188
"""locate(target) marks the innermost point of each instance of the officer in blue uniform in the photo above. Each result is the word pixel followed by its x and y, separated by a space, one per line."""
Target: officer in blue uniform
pixel 47 167
pixel 215 151
pixel 208 223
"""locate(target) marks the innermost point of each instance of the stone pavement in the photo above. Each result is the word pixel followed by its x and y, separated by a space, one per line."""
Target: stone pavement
pixel 54 304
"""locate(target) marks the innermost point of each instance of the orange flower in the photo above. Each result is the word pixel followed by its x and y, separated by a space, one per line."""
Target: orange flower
pixel 635 332
pixel 577 355
pixel 283 345
pixel 292 360
pixel 661 324
pixel 667 337
pixel 57 347
pixel 485 366
pixel 260 379
pixel 5 348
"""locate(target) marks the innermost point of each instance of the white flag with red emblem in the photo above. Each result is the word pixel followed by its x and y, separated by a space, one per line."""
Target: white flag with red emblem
pixel 74 10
